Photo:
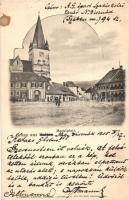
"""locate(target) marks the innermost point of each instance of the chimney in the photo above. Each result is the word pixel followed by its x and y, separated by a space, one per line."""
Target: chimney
pixel 112 68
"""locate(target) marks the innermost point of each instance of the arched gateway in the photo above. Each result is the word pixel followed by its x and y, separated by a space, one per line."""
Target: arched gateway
pixel 37 95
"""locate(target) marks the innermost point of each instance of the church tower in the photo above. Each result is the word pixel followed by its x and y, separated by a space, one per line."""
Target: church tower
pixel 39 52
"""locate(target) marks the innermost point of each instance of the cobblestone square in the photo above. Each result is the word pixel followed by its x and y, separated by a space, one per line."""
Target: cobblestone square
pixel 76 113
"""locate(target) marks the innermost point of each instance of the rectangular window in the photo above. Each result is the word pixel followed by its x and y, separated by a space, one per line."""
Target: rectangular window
pixel 24 84
pixel 33 84
pixel 17 85
pixel 36 84
pixel 12 84
pixel 12 93
pixel 40 84
pixel 17 93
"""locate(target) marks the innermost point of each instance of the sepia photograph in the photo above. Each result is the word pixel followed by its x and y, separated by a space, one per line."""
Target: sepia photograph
pixel 66 74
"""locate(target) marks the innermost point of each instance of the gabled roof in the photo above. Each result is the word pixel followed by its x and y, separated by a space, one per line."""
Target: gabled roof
pixel 89 90
pixel 26 77
pixel 59 89
pixel 11 61
pixel 39 39
pixel 114 75
pixel 83 89
pixel 27 65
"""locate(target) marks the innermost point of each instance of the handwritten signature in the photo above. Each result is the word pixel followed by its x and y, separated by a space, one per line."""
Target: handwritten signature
pixel 22 194
pixel 81 189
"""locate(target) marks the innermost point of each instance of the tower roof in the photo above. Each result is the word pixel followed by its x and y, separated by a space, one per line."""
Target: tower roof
pixel 38 39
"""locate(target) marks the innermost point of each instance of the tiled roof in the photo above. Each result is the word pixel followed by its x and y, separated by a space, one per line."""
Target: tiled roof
pixel 11 61
pixel 27 65
pixel 38 39
pixel 70 84
pixel 114 75
pixel 89 90
pixel 27 76
pixel 59 89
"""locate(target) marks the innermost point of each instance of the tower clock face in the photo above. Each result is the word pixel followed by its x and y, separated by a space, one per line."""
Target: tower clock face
pixel 41 54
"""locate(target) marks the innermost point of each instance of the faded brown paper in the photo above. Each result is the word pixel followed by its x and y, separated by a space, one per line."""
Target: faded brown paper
pixel 85 50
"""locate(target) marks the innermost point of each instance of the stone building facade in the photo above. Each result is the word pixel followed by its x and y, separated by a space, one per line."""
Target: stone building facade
pixel 111 87
pixel 27 87
pixel 30 79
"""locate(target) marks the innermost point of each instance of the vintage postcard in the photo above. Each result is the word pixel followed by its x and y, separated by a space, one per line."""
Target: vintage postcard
pixel 64 99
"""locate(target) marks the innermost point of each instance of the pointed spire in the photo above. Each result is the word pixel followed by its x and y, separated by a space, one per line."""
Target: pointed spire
pixel 38 40
pixel 46 45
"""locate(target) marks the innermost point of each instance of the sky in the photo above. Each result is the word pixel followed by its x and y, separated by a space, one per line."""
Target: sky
pixel 78 52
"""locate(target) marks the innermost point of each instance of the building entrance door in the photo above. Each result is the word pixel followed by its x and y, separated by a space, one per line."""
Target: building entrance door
pixel 103 96
pixel 37 95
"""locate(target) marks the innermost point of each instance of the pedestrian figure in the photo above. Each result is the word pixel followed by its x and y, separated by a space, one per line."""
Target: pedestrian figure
pixel 59 102
pixel 56 101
